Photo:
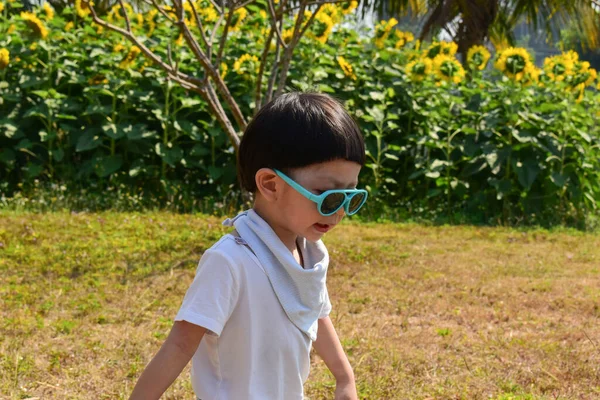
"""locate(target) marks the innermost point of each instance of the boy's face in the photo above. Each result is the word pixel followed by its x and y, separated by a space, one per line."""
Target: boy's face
pixel 300 214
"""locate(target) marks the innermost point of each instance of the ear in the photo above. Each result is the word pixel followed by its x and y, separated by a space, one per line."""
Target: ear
pixel 268 184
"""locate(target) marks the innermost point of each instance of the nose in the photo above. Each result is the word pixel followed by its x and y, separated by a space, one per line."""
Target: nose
pixel 340 213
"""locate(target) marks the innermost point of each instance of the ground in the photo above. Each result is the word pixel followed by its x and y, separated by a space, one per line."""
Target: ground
pixel 423 312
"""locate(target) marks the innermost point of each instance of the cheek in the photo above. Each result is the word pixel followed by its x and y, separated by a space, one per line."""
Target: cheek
pixel 301 210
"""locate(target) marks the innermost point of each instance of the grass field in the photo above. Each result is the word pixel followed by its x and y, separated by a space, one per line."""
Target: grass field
pixel 423 312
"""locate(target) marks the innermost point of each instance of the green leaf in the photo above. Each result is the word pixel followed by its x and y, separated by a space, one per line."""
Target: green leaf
pixel 137 167
pixel 437 165
pixel 113 131
pixel 199 150
pixel 7 156
pixel 527 171
pixel 474 166
pixel 558 179
pixel 376 113
pixel 96 51
pixel 584 135
pixel 173 155
pixel 42 93
pixel 138 131
pixel 377 96
pixel 189 102
pixel 58 154
pixel 503 187
pixel 10 131
pixel 215 172
pixel 65 116
pixel 326 88
pixel 106 166
pixel 88 141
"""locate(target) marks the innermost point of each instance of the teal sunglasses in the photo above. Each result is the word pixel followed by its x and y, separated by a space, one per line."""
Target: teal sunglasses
pixel 330 201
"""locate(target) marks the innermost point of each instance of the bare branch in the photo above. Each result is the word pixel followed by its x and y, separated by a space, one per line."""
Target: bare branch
pixel 316 2
pixel 269 94
pixel 298 32
pixel 216 6
pixel 209 68
pixel 126 16
pixel 224 36
pixel 186 81
pixel 310 20
pixel 244 4
pixel 263 61
pixel 160 9
pixel 274 26
pixel 200 26
pixel 212 35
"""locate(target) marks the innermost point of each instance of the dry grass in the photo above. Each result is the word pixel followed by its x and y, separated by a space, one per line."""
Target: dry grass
pixel 423 312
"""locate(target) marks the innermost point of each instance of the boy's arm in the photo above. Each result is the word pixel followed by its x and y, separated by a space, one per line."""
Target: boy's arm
pixel 173 356
pixel 329 348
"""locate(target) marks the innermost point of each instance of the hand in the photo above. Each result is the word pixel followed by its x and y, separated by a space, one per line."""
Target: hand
pixel 346 391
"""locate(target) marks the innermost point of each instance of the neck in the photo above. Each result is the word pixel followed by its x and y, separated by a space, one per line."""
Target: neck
pixel 287 237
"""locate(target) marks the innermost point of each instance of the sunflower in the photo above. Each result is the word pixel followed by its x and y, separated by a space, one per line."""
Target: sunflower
pixel 69 25
pixel 116 12
pixel 583 74
pixel 37 26
pixel 240 68
pixel 97 80
pixel 208 13
pixel 530 75
pixel 445 48
pixel 581 89
pixel 478 57
pixel 179 40
pixel 558 68
pixel 83 8
pixel 287 34
pixel 238 17
pixel 348 7
pixel 4 58
pixel 382 31
pixel 150 21
pixel 224 69
pixel 118 48
pixel 514 62
pixel 448 68
pixel 418 70
pixel 48 11
pixel 11 29
pixel 332 12
pixel 346 67
pixel 403 38
pixel 139 20
pixel 129 59
pixel 1 6
pixel 321 27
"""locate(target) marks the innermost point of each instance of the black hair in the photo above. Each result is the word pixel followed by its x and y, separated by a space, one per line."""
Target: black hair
pixel 296 130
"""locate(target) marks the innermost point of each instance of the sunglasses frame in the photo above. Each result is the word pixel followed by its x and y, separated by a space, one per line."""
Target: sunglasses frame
pixel 319 198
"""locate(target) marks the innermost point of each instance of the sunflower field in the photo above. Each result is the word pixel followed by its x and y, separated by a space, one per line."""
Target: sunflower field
pixel 493 138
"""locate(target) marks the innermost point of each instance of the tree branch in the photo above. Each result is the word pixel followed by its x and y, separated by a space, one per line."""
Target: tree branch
pixel 263 61
pixel 274 26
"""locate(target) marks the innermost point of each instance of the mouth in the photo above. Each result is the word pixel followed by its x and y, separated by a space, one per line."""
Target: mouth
pixel 322 227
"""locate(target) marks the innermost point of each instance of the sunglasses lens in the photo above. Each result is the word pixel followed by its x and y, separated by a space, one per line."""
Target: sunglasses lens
pixel 356 202
pixel 332 202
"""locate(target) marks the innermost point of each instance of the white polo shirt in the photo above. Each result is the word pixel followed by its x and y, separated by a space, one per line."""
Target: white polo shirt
pixel 251 350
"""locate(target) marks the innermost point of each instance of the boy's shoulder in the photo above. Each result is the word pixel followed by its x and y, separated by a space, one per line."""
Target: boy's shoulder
pixel 230 245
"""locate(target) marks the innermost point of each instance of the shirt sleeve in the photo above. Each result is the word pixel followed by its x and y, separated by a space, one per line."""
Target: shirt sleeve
pixel 326 305
pixel 212 296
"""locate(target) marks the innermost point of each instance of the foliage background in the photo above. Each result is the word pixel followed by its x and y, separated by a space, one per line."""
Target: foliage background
pixel 82 113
